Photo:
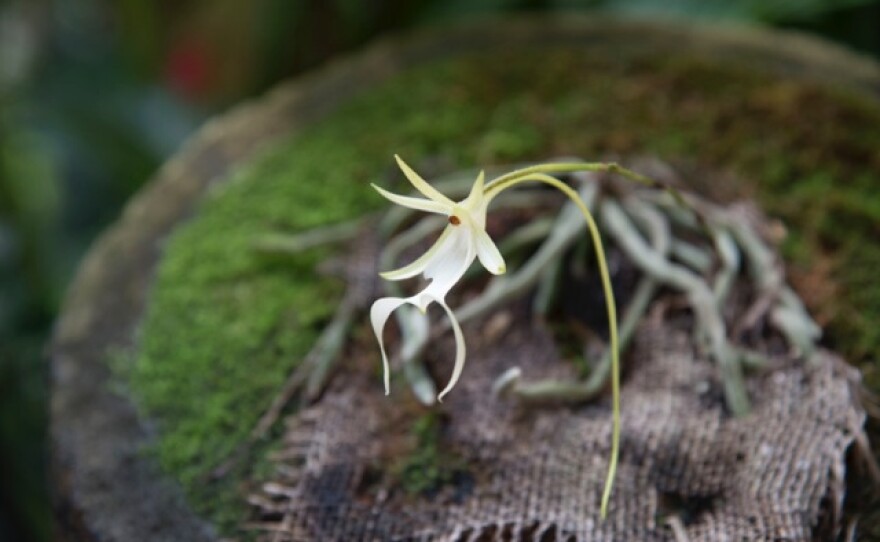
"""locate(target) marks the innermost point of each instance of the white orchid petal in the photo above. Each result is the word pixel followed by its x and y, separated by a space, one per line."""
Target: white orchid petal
pixel 477 203
pixel 488 253
pixel 460 350
pixel 379 313
pixel 476 193
pixel 422 185
pixel 449 263
pixel 421 263
pixel 451 253
pixel 418 204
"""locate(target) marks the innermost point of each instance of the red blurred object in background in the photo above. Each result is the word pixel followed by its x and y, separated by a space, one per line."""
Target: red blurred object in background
pixel 190 69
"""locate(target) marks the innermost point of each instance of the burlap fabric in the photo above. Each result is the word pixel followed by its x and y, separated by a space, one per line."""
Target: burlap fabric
pixel 688 469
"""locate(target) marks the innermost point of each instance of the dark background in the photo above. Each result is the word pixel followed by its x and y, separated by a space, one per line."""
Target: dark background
pixel 94 95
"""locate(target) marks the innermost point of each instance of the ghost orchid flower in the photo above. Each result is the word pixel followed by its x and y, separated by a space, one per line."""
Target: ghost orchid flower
pixel 464 240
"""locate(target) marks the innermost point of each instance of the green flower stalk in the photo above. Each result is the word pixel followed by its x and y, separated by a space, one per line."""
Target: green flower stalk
pixel 465 239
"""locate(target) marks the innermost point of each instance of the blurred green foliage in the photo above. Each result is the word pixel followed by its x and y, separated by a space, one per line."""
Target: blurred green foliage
pixel 95 94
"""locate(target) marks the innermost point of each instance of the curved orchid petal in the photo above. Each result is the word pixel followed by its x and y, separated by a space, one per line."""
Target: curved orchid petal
pixel 422 185
pixel 379 313
pixel 421 263
pixel 476 194
pixel 448 265
pixel 460 350
pixel 418 204
pixel 488 253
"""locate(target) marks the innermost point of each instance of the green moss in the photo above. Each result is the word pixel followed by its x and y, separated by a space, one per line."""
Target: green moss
pixel 225 326
pixel 428 466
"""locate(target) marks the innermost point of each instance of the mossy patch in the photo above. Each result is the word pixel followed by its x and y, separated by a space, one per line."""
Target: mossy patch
pixel 226 326
pixel 428 467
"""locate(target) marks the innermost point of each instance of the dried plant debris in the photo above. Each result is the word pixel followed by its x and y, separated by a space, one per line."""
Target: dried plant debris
pixel 735 422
